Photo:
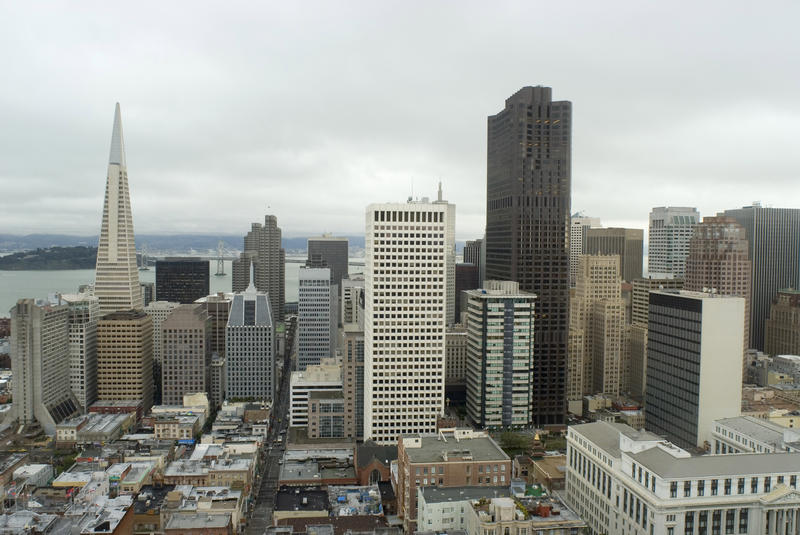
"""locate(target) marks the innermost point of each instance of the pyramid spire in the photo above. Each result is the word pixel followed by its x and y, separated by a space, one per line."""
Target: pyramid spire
pixel 117 155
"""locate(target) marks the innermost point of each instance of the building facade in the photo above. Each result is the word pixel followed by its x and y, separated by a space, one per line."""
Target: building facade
pixel 182 280
pixel 628 243
pixel 782 329
pixel 353 379
pixel 125 357
pixel 263 252
pixel 577 241
pixel 324 377
pixel 407 276
pixel 116 282
pixel 527 218
pixel 84 311
pixel 500 361
pixel 317 309
pixel 620 480
pixel 40 358
pixel 250 347
pixel 353 301
pixel 719 259
pixel 186 335
pixel 773 236
pixel 218 307
pixel 694 375
pixel 466 279
pixel 671 228
pixel 330 252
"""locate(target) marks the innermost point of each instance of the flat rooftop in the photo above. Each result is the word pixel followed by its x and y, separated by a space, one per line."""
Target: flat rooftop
pixel 757 429
pixel 606 435
pixel 198 521
pixel 301 499
pixel 668 466
pixel 433 449
pixel 457 494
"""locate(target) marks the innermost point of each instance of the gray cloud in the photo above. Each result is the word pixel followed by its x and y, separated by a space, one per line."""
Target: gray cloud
pixel 313 110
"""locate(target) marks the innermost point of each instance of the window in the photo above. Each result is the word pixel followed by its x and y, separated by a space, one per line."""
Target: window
pixel 687 489
pixel 727 487
pixel 754 485
pixel 714 487
pixel 767 484
pixel 673 489
pixel 729 518
pixel 701 487
pixel 743 521
pixel 740 488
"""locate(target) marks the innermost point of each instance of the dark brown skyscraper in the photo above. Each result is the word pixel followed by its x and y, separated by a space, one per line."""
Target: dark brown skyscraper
pixel 527 219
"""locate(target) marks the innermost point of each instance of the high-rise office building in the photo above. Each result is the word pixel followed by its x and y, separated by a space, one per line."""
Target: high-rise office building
pixel 353 301
pixel 263 252
pixel 40 360
pixel 455 362
pixel 671 228
pixel 250 347
pixel 317 316
pixel 330 252
pixel 527 218
pixel 84 311
pixel 773 235
pixel 186 358
pixel 466 279
pixel 159 311
pixel 719 260
pixel 218 307
pixel 597 312
pixel 577 241
pixel 182 280
pixel 148 292
pixel 694 376
pixel 640 313
pixel 628 243
pixel 475 253
pixel 500 333
pixel 125 357
pixel 782 329
pixel 407 254
pixel 116 282
pixel 353 379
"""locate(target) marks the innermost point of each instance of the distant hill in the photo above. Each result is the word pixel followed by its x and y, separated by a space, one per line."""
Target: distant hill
pixel 51 258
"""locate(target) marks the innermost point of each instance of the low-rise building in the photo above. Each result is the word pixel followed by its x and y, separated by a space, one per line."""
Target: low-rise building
pixel 93 428
pixel 620 480
pixel 323 377
pixel 444 509
pixel 178 427
pixel 745 434
pixel 36 475
pixel 451 458
pixel 543 516
pixel 198 524
pixel 326 414
pixel 301 503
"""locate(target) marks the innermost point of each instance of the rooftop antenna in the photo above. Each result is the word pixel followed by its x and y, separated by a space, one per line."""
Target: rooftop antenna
pixel 440 191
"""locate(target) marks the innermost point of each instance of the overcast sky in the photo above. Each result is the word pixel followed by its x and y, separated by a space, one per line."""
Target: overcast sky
pixel 312 110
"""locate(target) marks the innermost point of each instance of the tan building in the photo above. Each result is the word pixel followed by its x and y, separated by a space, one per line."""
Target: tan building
pixel 455 356
pixel 719 260
pixel 326 414
pixel 218 307
pixel 451 458
pixel 186 353
pixel 626 243
pixel 176 427
pixel 597 312
pixel 353 379
pixel 782 329
pixel 125 357
pixel 637 341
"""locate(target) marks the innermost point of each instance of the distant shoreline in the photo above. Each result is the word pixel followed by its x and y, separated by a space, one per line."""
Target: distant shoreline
pixel 51 259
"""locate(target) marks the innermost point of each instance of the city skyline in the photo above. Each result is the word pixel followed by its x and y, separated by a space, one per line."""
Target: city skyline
pixel 307 121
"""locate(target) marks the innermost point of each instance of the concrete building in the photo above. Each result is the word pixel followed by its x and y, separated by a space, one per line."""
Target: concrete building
pixel 773 236
pixel 671 228
pixel 782 328
pixel 746 434
pixel 353 379
pixel 116 282
pixel 317 316
pixel 125 357
pixel 719 259
pixel 84 311
pixel 577 241
pixel 455 359
pixel 693 356
pixel 148 292
pixel 500 333
pixel 323 377
pixel 186 353
pixel 444 509
pixel 620 480
pixel 628 243
pixel 250 346
pixel 528 184
pixel 597 315
pixel 182 280
pixel 326 414
pixel 40 358
pixel 475 253
pixel 330 252
pixel 640 313
pixel 353 301
pixel 407 302
pixel 263 252
pixel 529 514
pixel 218 376
pixel 449 458
pixel 159 311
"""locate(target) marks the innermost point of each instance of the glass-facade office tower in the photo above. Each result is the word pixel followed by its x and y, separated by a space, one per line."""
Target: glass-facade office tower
pixel 182 280
pixel 528 181
pixel 671 228
pixel 330 252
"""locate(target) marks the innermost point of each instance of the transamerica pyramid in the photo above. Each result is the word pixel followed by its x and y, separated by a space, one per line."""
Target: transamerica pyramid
pixel 116 282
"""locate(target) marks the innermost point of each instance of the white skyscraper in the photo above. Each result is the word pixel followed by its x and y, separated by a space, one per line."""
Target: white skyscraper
pixel 117 276
pixel 671 228
pixel 407 277
pixel 317 316
pixel 577 238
